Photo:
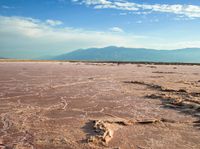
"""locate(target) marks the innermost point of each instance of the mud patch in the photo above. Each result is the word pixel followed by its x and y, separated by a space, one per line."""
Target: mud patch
pixel 101 132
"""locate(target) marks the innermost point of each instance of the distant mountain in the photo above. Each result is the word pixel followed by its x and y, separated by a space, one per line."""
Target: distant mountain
pixel 3 58
pixel 189 55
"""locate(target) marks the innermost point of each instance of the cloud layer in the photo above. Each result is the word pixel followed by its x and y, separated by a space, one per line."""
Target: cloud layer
pixel 28 34
pixel 54 22
pixel 191 11
pixel 31 38
pixel 117 29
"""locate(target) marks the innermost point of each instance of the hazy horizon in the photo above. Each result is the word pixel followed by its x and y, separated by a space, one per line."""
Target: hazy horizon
pixel 48 56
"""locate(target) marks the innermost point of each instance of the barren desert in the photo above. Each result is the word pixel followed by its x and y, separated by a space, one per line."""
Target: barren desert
pixel 65 105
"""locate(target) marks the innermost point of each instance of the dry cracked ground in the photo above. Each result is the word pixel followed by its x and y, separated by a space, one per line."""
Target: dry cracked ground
pixel 63 105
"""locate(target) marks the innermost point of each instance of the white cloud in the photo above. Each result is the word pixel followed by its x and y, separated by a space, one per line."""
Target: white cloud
pixel 18 33
pixel 26 35
pixel 139 21
pixel 176 45
pixel 116 29
pixel 54 22
pixel 6 7
pixel 191 11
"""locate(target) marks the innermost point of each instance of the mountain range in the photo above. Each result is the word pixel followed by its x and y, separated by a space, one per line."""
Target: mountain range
pixel 112 53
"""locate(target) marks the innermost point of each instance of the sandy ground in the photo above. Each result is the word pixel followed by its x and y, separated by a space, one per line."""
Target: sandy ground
pixel 62 105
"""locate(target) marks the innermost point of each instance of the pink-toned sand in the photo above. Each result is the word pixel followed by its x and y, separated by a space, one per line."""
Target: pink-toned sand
pixel 62 105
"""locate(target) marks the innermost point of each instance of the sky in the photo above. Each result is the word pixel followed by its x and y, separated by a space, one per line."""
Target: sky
pixel 39 28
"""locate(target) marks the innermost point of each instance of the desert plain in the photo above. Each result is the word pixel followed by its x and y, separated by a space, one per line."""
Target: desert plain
pixel 65 105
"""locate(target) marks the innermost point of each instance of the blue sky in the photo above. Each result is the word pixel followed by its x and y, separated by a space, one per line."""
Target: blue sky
pixel 35 28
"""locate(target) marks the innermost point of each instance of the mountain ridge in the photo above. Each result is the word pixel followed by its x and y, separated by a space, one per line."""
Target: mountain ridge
pixel 113 53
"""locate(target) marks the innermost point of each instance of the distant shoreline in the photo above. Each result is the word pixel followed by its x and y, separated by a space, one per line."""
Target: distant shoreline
pixel 114 62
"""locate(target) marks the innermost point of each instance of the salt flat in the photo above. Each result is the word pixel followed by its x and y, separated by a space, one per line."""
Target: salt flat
pixel 63 105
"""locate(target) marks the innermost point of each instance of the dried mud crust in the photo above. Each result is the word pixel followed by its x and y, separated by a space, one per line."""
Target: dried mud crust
pixel 83 105
pixel 104 129
pixel 181 99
